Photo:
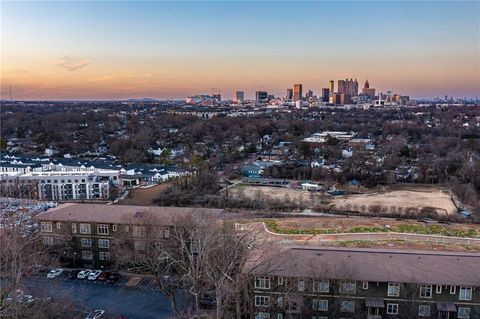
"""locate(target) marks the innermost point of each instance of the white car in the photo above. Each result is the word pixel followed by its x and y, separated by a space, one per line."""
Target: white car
pixel 84 274
pixel 20 297
pixel 96 314
pixel 94 275
pixel 54 273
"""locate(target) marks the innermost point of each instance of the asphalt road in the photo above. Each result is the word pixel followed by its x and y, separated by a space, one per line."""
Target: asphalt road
pixel 116 300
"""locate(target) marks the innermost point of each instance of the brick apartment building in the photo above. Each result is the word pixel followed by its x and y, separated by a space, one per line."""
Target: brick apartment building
pixel 84 234
pixel 325 283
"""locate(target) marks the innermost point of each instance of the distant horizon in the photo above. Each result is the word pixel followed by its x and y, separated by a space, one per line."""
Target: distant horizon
pixel 183 98
pixel 172 50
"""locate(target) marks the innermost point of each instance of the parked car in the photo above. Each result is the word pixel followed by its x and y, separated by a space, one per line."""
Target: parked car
pixel 94 275
pixel 103 276
pixel 207 300
pixel 84 274
pixel 113 277
pixel 54 273
pixel 26 299
pixel 73 274
pixel 20 297
pixel 96 314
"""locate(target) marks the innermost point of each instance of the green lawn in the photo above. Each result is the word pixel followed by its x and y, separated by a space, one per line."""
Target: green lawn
pixel 434 229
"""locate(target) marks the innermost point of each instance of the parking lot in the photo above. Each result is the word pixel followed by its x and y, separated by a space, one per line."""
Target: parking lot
pixel 132 297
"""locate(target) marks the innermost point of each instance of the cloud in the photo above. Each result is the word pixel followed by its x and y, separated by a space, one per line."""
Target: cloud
pixel 71 63
pixel 102 78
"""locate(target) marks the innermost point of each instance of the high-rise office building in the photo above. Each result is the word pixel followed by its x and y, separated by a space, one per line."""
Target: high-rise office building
pixel 325 94
pixel 309 94
pixel 297 92
pixel 331 86
pixel 239 96
pixel 341 99
pixel 261 96
pixel 351 87
pixel 341 88
pixel 367 90
pixel 289 95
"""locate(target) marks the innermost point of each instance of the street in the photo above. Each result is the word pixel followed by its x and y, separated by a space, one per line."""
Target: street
pixel 116 300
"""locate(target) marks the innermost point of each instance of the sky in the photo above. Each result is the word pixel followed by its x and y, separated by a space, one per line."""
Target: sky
pixel 118 50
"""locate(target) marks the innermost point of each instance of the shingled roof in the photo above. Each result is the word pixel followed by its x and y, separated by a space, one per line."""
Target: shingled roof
pixel 380 265
pixel 120 214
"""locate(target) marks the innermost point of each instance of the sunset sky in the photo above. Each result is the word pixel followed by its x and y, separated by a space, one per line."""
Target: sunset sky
pixel 119 50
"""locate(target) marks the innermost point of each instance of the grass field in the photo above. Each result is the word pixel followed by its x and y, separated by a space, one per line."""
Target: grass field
pixel 333 225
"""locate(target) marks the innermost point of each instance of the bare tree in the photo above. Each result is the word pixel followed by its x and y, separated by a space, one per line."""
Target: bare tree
pixel 21 251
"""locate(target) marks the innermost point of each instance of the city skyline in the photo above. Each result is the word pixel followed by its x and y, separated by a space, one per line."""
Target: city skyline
pixel 105 50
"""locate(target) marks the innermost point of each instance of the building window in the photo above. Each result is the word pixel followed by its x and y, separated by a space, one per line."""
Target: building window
pixel 426 291
pixel 424 311
pixel 85 229
pixel 262 315
pixel 392 308
pixel 262 301
pixel 280 281
pixel 127 228
pixel 463 312
pixel 453 290
pixel 138 231
pixel 347 306
pixel 103 243
pixel 48 240
pixel 59 225
pixel 393 290
pixel 166 233
pixel 194 247
pixel 74 228
pixel 321 286
pixel 348 287
pixel 87 255
pixel 114 227
pixel 139 245
pixel 301 284
pixel 320 304
pixel 102 229
pixel 465 293
pixel 280 316
pixel 438 289
pixel 86 242
pixel 262 282
pixel 46 227
pixel 365 285
pixel 280 301
pixel 103 255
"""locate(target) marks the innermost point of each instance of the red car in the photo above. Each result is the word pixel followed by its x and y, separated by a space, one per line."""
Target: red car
pixel 103 276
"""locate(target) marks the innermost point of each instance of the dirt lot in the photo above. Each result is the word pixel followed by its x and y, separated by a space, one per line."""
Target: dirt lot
pixel 143 196
pixel 398 201
pixel 275 193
